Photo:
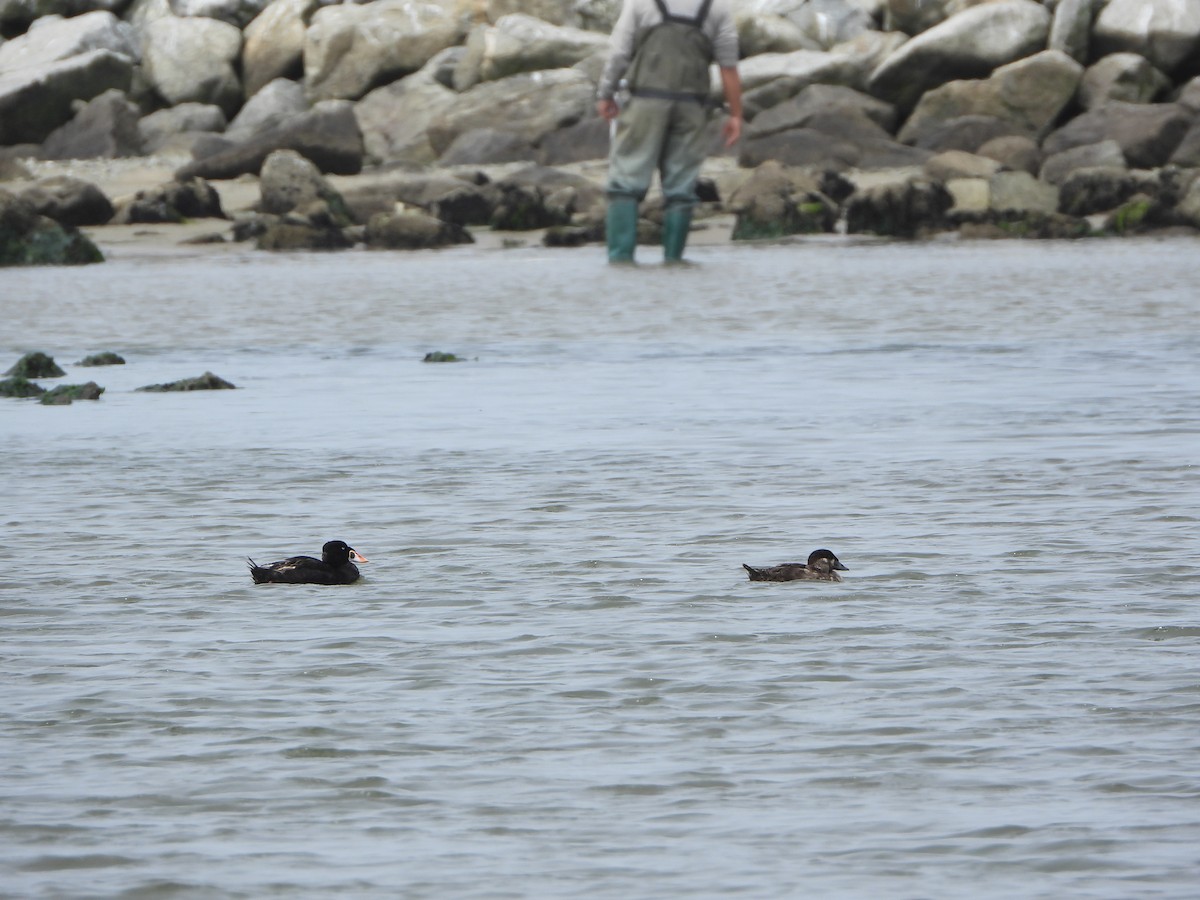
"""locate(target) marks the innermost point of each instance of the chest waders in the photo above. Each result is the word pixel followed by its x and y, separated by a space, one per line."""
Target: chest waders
pixel 671 63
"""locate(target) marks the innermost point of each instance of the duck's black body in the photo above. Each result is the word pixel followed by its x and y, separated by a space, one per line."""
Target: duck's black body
pixel 822 565
pixel 334 567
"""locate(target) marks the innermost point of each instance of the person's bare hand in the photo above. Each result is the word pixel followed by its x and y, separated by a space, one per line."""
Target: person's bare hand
pixel 607 109
pixel 732 130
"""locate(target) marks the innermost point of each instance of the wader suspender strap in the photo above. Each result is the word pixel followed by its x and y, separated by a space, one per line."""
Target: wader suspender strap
pixel 669 16
pixel 697 22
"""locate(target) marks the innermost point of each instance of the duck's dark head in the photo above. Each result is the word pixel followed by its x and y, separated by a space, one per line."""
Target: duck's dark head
pixel 825 561
pixel 338 553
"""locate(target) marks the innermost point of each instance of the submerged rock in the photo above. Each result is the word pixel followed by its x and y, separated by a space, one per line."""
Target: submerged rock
pixel 30 239
pixel 107 358
pixel 206 382
pixel 437 356
pixel 66 394
pixel 20 387
pixel 36 365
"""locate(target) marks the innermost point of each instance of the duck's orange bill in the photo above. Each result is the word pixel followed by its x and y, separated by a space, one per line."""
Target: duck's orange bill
pixel 358 557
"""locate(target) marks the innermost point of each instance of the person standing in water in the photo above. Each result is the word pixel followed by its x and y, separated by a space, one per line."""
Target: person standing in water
pixel 662 49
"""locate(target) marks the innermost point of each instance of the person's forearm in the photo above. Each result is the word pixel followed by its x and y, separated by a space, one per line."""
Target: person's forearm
pixel 731 83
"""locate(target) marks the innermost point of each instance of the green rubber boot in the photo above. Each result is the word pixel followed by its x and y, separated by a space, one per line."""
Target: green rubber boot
pixel 620 228
pixel 677 222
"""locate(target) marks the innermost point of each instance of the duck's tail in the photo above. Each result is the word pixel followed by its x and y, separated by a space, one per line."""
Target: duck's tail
pixel 257 572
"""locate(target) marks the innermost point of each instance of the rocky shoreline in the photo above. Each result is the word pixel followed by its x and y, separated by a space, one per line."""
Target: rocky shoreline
pixel 405 124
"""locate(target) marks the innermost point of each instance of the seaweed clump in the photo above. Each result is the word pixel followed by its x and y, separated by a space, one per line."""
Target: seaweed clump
pixel 65 394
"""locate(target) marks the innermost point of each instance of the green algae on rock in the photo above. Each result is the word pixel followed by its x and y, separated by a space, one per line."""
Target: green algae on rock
pixel 65 394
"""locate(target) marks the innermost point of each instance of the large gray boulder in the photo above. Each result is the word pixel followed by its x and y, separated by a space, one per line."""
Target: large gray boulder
pixel 822 98
pixel 1128 77
pixel 164 126
pixel 1187 154
pixel 1147 134
pixel 967 45
pixel 776 201
pixel 52 39
pixel 36 100
pixel 830 22
pixel 760 31
pixel 1103 155
pixel 193 60
pixel 520 43
pixel 235 12
pixel 395 119
pixel 273 106
pixel 1166 32
pixel 289 182
pixel 915 16
pixel 106 128
pixel 58 61
pixel 771 78
pixel 1071 28
pixel 531 105
pixel 273 43
pixel 349 49
pixel 328 135
pixel 1031 93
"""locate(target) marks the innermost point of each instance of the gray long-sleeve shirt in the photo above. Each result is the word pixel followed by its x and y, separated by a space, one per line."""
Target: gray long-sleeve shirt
pixel 639 14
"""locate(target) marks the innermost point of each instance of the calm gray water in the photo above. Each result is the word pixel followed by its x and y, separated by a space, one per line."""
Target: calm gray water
pixel 554 680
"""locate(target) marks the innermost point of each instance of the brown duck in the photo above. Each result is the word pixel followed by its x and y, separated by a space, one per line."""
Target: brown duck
pixel 822 565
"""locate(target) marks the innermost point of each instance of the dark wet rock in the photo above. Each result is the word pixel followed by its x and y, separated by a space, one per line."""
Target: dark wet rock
pixel 524 207
pixel 69 201
pixel 20 387
pixel 469 204
pixel 105 128
pixel 999 225
pixel 573 235
pixel 206 382
pixel 36 365
pixel 1085 192
pixel 30 239
pixel 171 202
pixel 777 201
pixel 413 231
pixel 437 356
pixel 66 394
pixel 905 207
pixel 328 135
pixel 201 240
pixel 107 358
